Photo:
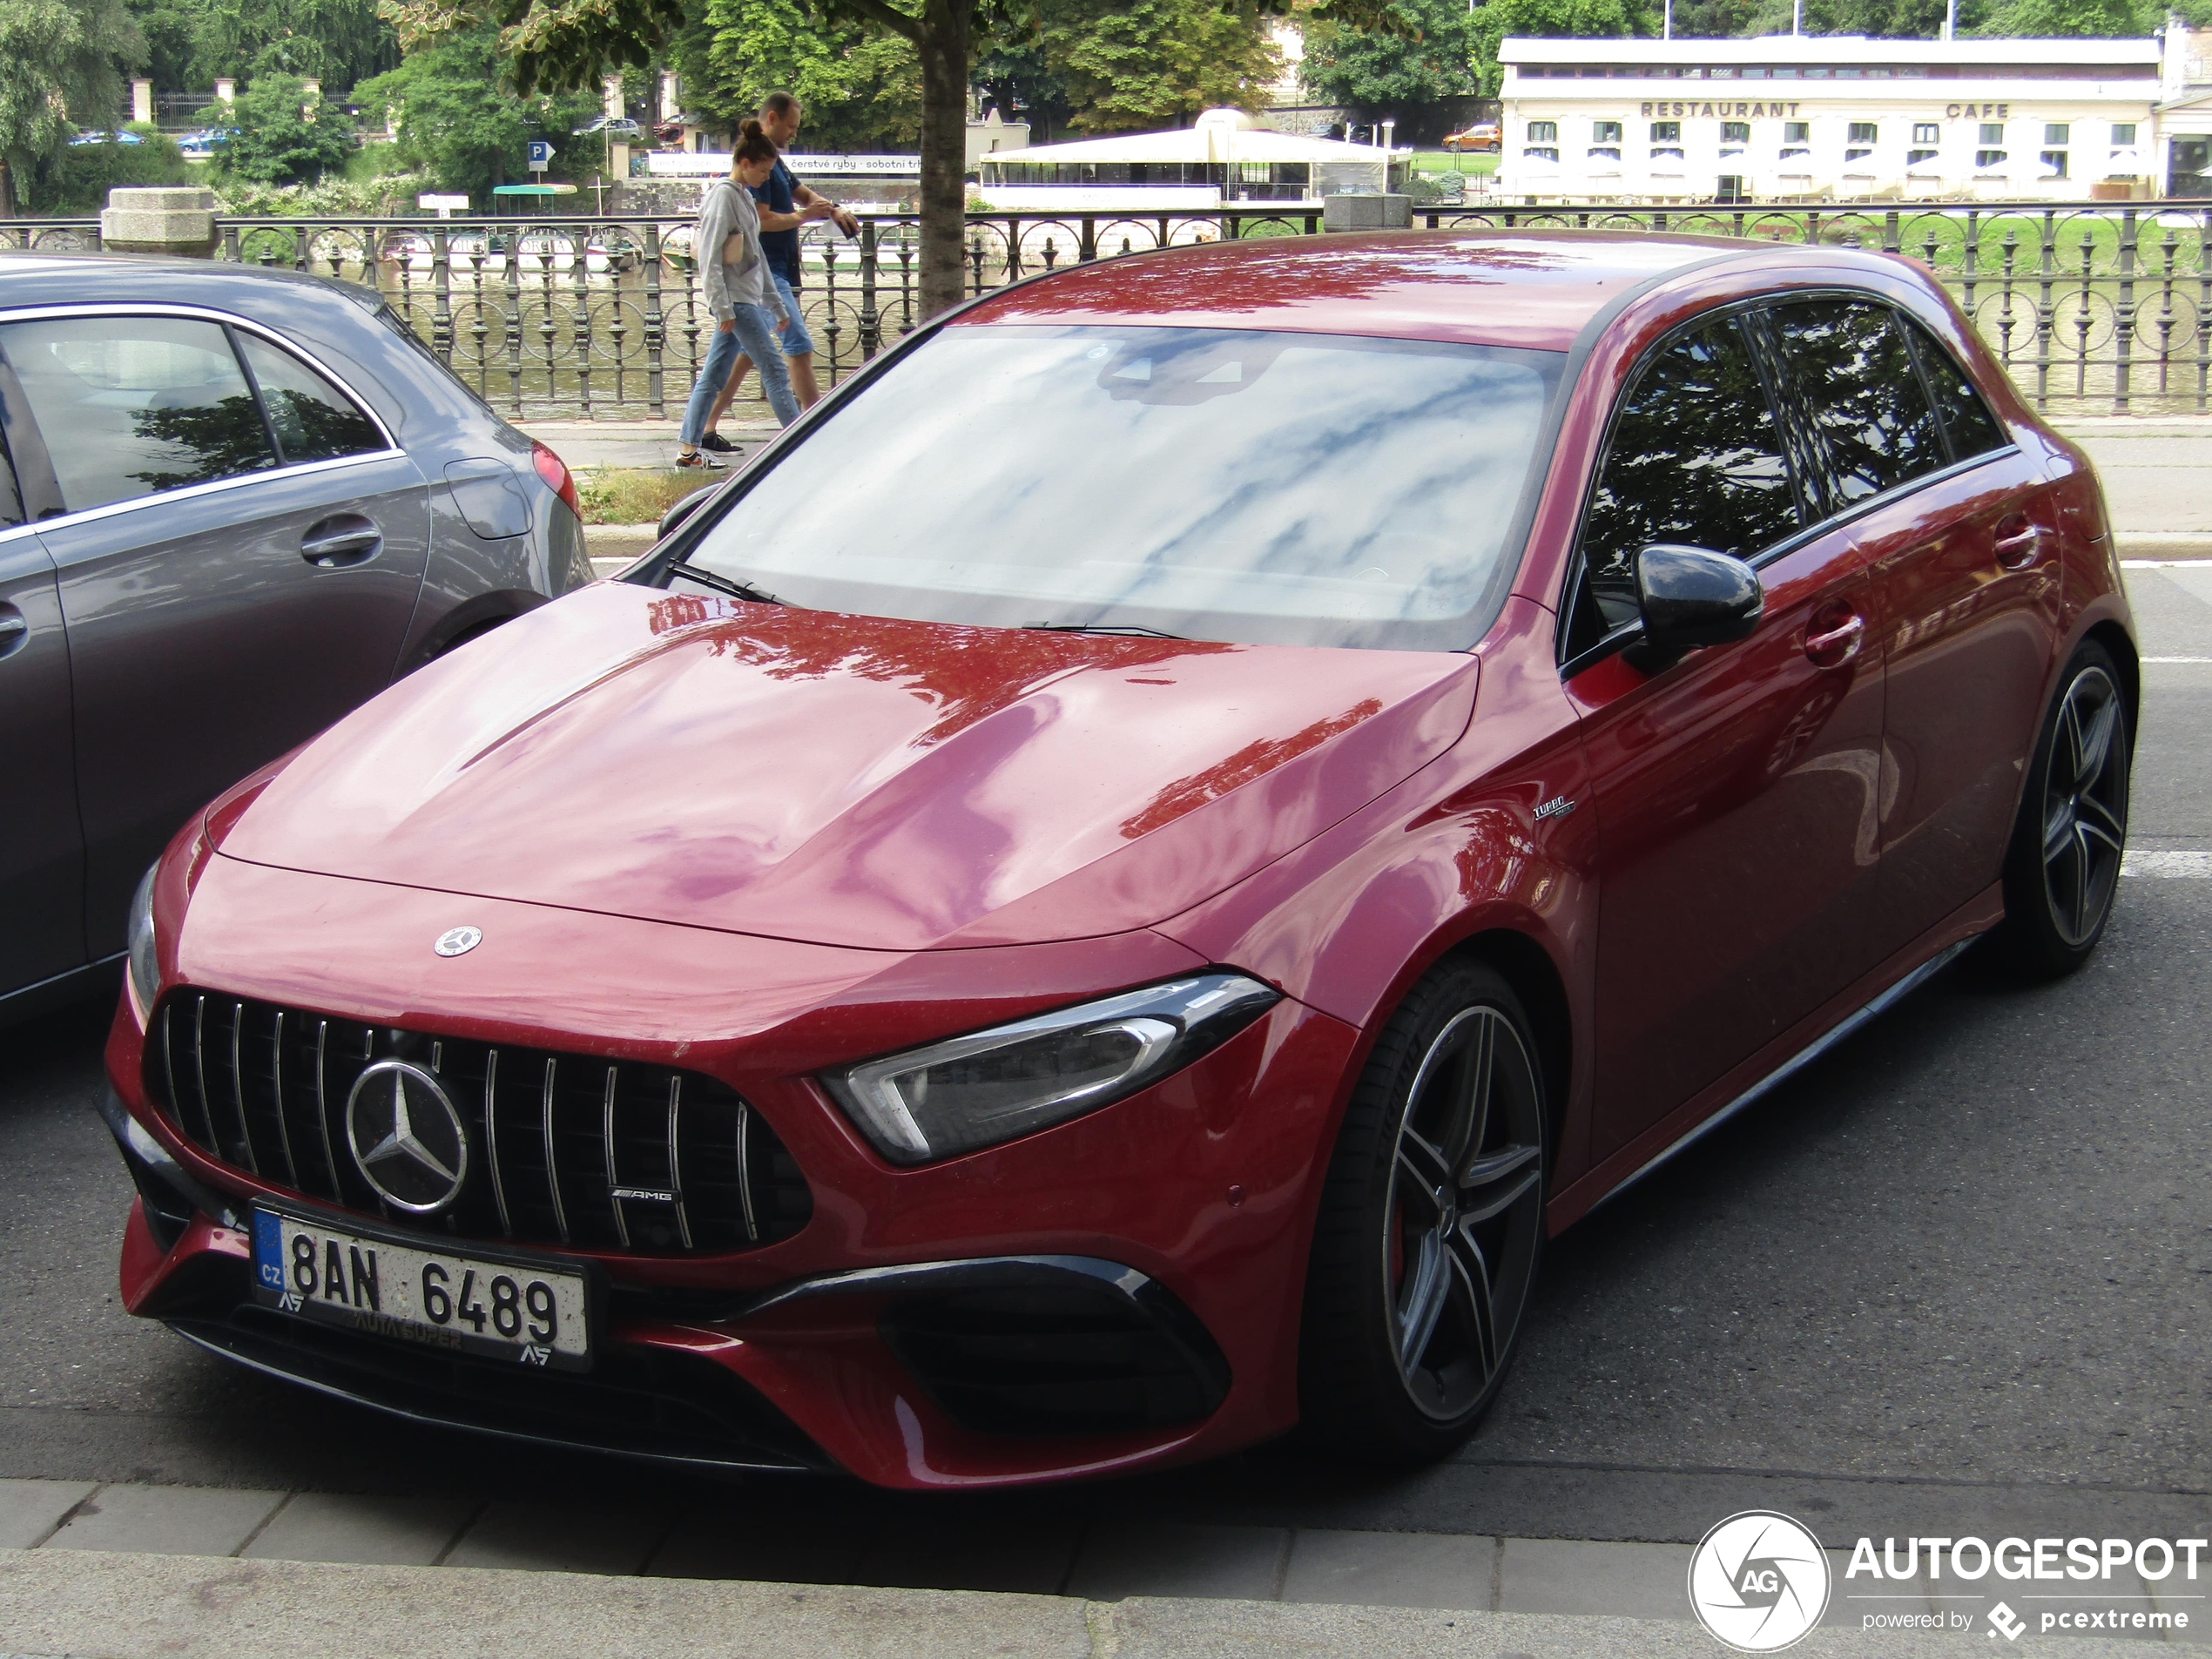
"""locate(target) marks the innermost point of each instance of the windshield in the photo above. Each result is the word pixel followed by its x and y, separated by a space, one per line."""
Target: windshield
pixel 1242 485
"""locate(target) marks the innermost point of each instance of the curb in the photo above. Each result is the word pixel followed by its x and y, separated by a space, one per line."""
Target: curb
pixel 91 1605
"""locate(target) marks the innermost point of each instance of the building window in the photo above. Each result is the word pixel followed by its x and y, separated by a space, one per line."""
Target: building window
pixel 1988 160
pixel 1736 132
pixel 1797 133
pixel 1917 158
pixel 1721 74
pixel 1605 152
pixel 1926 133
pixel 1992 132
pixel 2123 135
pixel 1542 152
pixel 1605 133
pixel 1666 152
pixel 1861 132
pixel 2054 161
pixel 2055 132
pixel 1666 132
pixel 1543 132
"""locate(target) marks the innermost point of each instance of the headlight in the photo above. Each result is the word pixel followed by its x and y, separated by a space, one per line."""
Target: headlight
pixel 146 966
pixel 975 1091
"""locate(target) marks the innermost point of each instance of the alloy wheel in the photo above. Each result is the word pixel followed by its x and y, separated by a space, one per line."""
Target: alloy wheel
pixel 1465 1214
pixel 2085 805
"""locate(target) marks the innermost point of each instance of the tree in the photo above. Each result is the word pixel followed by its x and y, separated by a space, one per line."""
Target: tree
pixel 1125 67
pixel 1551 19
pixel 569 42
pixel 458 123
pixel 861 89
pixel 77 179
pixel 2053 18
pixel 64 61
pixel 285 135
pixel 1405 73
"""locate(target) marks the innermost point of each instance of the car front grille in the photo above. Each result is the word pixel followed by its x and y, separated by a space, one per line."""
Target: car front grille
pixel 565 1149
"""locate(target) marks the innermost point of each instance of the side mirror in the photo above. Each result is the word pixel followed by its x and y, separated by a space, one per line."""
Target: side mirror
pixel 1692 596
pixel 683 509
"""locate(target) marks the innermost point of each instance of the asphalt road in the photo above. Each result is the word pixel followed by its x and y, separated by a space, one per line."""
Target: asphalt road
pixel 1955 1279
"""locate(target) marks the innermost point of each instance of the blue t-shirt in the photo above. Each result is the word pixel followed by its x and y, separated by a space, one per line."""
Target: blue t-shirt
pixel 780 248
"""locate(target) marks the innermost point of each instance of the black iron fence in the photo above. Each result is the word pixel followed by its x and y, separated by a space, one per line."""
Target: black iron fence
pixel 2095 307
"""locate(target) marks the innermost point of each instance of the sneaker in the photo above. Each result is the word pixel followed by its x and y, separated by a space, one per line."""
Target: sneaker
pixel 717 442
pixel 699 464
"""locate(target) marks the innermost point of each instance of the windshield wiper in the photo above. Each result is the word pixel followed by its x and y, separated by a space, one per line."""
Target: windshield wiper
pixel 1097 628
pixel 736 590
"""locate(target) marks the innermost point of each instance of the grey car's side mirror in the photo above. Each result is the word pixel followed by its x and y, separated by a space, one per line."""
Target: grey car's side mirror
pixel 683 509
pixel 1691 596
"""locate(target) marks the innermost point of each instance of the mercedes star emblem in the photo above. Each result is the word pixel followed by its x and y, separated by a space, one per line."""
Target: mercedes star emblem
pixel 407 1137
pixel 458 942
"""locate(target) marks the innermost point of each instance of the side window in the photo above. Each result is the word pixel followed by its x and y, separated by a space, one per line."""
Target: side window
pixel 1966 420
pixel 11 496
pixel 1696 456
pixel 1854 373
pixel 313 419
pixel 132 405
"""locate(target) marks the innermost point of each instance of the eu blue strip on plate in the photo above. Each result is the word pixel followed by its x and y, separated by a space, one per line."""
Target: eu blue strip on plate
pixel 268 1248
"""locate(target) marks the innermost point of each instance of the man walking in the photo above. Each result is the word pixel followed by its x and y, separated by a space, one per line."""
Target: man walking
pixel 785 204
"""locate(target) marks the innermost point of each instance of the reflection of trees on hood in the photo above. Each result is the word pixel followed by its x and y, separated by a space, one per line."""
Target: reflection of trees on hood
pixel 966 673
pixel 209 441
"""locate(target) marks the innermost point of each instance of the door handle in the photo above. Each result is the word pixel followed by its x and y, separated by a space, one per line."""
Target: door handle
pixel 14 631
pixel 2019 543
pixel 343 540
pixel 1833 642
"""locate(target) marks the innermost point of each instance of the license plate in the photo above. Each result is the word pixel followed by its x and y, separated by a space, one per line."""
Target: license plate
pixel 526 1313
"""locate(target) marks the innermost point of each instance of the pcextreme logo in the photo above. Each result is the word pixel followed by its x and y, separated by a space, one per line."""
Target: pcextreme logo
pixel 1758 1581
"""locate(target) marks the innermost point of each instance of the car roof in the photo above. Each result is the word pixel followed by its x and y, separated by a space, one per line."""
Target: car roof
pixel 36 279
pixel 1510 287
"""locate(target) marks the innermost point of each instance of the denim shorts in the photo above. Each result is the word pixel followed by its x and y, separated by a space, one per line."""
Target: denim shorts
pixel 792 336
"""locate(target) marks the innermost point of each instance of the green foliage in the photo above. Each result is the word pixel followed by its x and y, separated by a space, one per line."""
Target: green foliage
pixel 1405 70
pixel 1552 18
pixel 334 197
pixel 286 136
pixel 76 180
pixel 2048 18
pixel 1146 64
pixel 191 43
pixel 860 88
pixel 457 123
pixel 58 59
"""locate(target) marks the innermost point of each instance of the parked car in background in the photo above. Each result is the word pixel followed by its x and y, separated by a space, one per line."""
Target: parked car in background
pixel 233 504
pixel 1483 135
pixel 1106 895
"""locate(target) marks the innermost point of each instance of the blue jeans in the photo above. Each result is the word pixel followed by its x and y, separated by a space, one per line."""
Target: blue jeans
pixel 755 336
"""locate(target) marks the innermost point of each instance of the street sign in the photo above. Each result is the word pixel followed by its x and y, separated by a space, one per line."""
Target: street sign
pixel 443 206
pixel 541 155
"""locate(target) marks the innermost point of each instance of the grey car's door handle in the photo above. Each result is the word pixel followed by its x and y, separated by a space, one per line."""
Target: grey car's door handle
pixel 13 629
pixel 347 539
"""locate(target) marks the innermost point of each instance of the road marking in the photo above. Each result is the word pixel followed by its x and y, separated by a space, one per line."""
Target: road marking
pixel 2186 866
pixel 2166 564
pixel 2177 659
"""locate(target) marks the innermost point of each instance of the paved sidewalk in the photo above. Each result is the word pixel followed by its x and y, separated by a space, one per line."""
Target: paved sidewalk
pixel 121 1606
pixel 759 1536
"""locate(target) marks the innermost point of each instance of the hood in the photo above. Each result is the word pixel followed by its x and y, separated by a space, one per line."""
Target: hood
pixel 842 779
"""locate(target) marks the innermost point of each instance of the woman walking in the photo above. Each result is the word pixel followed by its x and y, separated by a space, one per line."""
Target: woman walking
pixel 747 310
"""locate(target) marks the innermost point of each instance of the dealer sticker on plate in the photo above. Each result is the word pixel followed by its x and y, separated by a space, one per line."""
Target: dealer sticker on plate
pixel 528 1314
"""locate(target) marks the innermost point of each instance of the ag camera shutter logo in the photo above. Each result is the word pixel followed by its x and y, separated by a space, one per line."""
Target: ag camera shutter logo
pixel 1758 1581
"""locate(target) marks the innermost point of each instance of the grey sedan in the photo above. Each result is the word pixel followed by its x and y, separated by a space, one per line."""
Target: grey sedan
pixel 233 504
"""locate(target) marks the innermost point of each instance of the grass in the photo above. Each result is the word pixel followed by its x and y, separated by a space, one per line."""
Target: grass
pixel 1473 164
pixel 636 494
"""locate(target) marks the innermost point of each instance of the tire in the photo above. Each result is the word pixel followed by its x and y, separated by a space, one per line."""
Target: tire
pixel 2062 869
pixel 1431 1225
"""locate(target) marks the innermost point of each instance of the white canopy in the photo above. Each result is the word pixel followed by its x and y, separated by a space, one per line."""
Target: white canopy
pixel 1220 135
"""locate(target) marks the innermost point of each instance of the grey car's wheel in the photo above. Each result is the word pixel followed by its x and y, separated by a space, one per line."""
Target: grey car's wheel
pixel 2063 868
pixel 1430 1226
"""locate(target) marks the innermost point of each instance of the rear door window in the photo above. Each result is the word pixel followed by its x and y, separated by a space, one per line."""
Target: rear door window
pixel 313 420
pixel 11 493
pixel 1696 456
pixel 130 406
pixel 1966 420
pixel 1853 373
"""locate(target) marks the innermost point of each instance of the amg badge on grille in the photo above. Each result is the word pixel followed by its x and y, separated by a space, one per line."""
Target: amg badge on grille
pixel 458 942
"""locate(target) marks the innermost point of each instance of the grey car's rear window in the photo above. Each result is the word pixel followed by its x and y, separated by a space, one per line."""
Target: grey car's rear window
pixel 1234 484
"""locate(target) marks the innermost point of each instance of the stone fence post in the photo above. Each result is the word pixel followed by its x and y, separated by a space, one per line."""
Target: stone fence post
pixel 1366 212
pixel 175 219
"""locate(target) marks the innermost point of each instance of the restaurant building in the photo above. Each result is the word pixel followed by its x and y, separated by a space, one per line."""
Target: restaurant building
pixel 1793 119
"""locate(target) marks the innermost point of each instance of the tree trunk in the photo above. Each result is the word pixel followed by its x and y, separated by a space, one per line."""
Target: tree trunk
pixel 7 189
pixel 945 27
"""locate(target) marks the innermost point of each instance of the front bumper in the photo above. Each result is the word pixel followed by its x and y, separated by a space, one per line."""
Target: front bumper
pixel 1117 1292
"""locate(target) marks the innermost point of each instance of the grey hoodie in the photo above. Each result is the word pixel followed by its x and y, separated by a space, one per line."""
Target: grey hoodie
pixel 729 211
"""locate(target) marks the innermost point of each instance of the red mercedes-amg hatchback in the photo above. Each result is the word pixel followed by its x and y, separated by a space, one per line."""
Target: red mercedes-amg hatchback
pixel 1103 898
